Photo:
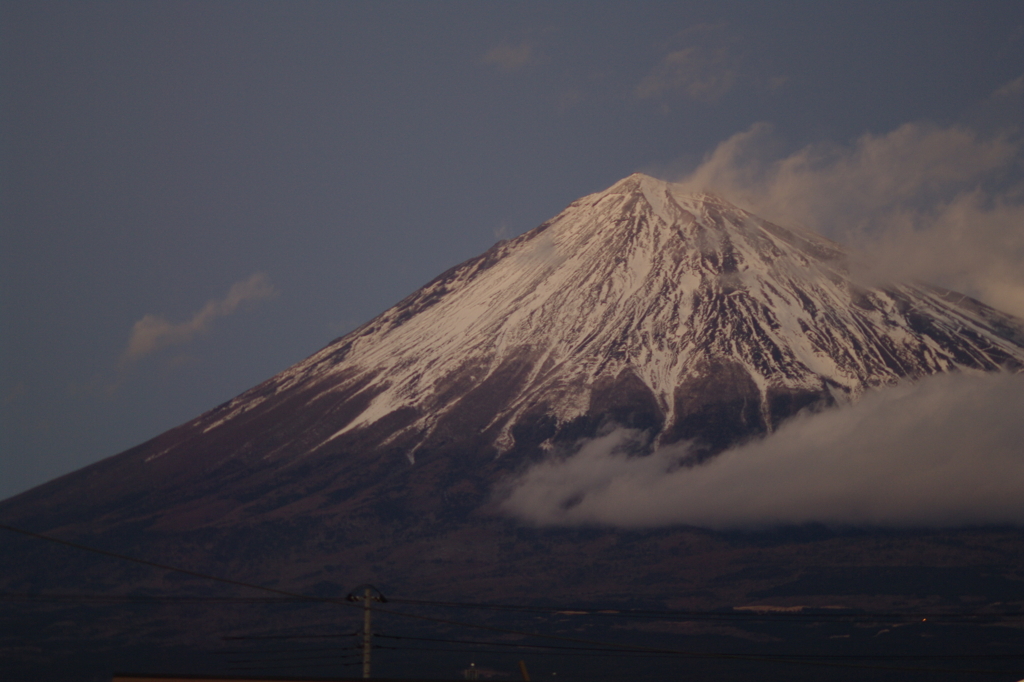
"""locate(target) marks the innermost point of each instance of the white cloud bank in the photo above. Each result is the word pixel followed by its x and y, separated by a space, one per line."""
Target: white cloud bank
pixel 939 204
pixel 947 451
pixel 943 204
pixel 154 332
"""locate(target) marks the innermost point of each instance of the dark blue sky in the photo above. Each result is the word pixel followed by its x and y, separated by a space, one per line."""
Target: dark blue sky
pixel 321 160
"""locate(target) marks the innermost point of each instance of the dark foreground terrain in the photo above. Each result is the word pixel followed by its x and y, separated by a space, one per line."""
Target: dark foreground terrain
pixel 377 460
pixel 796 604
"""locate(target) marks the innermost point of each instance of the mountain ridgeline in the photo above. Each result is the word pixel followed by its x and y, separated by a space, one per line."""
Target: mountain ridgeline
pixel 640 306
pixel 680 314
pixel 377 458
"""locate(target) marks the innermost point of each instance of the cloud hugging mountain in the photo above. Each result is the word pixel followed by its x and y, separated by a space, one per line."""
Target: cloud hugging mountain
pixel 678 316
pixel 569 413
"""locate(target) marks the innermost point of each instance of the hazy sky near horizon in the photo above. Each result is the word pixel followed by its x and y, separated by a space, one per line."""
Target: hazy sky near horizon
pixel 197 195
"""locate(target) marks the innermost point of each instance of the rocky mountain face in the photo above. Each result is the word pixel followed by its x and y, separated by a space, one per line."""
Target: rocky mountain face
pixel 374 459
pixel 677 313
pixel 681 314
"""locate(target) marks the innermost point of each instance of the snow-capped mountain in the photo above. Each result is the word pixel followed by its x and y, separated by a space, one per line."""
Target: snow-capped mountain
pixel 678 314
pixel 675 312
pixel 642 306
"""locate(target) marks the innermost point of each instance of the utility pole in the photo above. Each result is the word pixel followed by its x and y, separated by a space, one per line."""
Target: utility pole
pixel 370 594
pixel 367 632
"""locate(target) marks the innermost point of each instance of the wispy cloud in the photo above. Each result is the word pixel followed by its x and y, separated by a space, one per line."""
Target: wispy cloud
pixel 569 99
pixel 510 57
pixel 1004 108
pixel 939 203
pixel 703 68
pixel 702 75
pixel 922 201
pixel 1010 90
pixel 943 452
pixel 14 394
pixel 154 332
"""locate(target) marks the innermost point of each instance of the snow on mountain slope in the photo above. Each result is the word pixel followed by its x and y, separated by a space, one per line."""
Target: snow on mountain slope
pixel 677 313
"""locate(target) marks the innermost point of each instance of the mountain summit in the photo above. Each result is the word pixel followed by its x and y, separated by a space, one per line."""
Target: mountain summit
pixel 642 306
pixel 677 313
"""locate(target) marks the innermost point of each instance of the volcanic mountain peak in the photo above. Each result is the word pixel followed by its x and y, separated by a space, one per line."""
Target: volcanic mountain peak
pixel 641 304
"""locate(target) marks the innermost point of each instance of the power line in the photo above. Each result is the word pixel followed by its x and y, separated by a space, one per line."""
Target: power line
pixel 264 650
pixel 491 643
pixel 271 661
pixel 293 666
pixel 586 649
pixel 331 636
pixel 578 652
pixel 811 613
pixel 788 657
pixel 64 597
